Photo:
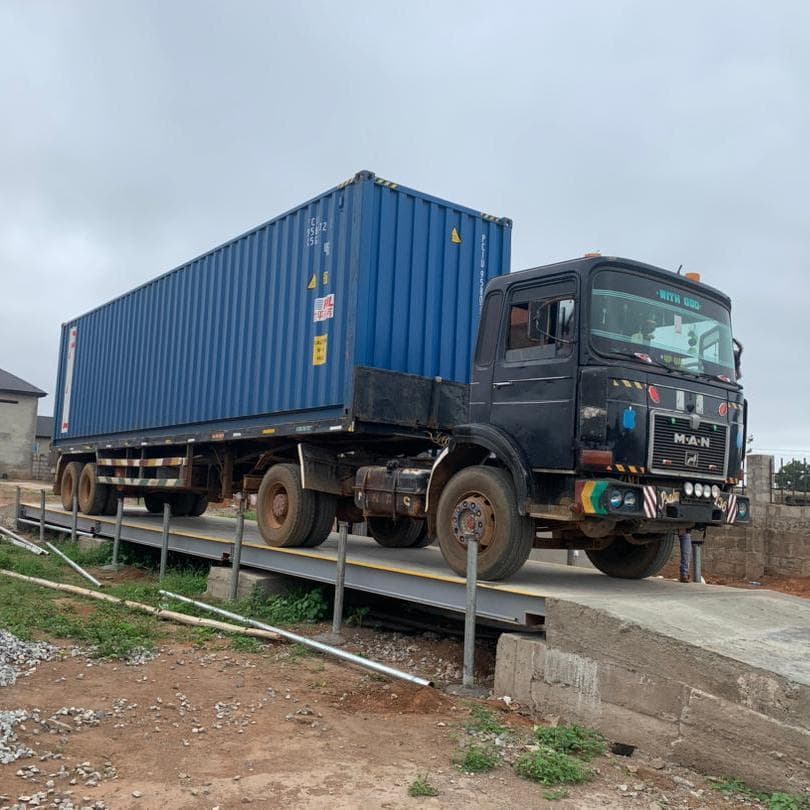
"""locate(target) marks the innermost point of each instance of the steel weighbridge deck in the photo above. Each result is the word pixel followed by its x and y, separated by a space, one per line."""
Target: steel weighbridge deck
pixel 414 575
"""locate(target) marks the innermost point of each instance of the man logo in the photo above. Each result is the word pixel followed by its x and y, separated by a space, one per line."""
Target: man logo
pixel 691 459
pixel 691 441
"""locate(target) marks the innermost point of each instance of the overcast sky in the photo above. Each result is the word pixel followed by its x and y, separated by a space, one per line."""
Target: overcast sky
pixel 136 135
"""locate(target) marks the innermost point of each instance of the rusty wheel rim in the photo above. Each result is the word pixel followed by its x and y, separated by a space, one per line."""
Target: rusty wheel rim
pixel 473 515
pixel 277 505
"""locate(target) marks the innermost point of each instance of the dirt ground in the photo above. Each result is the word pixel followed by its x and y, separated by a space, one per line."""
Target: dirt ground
pixel 208 728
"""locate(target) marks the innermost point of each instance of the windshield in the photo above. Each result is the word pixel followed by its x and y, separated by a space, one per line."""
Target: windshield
pixel 668 322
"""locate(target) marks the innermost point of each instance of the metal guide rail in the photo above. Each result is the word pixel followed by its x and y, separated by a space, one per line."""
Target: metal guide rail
pixel 413 575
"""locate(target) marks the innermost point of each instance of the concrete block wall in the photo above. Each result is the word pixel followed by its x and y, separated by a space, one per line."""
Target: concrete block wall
pixel 18 419
pixel 663 696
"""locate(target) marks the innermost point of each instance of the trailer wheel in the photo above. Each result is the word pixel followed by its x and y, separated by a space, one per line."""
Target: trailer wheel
pixel 398 532
pixel 70 484
pixel 325 509
pixel 153 503
pixel 92 495
pixel 181 504
pixel 424 538
pixel 199 506
pixel 285 511
pixel 482 500
pixel 630 561
pixel 111 507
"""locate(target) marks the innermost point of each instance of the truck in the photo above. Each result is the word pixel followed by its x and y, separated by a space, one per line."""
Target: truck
pixel 368 356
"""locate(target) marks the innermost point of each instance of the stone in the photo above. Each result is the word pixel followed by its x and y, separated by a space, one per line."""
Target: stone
pixel 250 580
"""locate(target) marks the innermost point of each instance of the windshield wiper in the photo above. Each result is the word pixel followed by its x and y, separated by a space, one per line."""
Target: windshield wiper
pixel 643 357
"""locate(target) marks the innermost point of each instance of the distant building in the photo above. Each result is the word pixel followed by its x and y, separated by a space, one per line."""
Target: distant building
pixel 42 448
pixel 18 425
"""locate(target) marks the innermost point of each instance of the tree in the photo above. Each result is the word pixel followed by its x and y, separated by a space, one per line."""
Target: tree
pixel 794 476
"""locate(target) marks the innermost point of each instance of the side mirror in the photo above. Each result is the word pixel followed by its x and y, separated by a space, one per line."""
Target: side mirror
pixel 738 350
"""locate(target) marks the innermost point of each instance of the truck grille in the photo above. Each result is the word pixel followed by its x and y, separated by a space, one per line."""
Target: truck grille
pixel 679 449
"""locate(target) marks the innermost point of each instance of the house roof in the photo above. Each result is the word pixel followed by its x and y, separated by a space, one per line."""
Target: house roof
pixel 14 385
pixel 45 426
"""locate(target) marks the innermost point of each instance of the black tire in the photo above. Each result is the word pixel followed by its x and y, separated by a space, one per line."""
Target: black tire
pixel 424 538
pixel 70 484
pixel 111 507
pixel 153 503
pixel 285 511
pixel 505 536
pixel 625 560
pixel 199 506
pixel 92 495
pixel 325 509
pixel 182 503
pixel 398 532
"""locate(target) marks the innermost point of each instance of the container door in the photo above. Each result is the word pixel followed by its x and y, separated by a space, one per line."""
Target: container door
pixel 533 383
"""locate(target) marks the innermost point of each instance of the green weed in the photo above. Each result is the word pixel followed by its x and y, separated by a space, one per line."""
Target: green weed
pixel 422 787
pixel 478 759
pixel 483 721
pixel 247 644
pixel 298 607
pixel 550 767
pixel 581 742
pixel 357 615
pixel 773 801
pixel 555 795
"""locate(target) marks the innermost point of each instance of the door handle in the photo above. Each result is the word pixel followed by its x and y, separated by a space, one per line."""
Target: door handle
pixel 500 384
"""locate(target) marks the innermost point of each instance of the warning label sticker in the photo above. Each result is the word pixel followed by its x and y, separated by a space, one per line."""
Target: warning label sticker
pixel 324 308
pixel 319 350
pixel 455 236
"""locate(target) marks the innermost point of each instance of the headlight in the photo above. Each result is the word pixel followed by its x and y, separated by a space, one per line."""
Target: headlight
pixel 698 489
pixel 715 491
pixel 630 500
pixel 707 491
pixel 742 509
pixel 615 499
pixel 689 489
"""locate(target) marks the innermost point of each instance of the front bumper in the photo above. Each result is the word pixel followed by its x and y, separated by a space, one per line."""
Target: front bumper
pixel 596 498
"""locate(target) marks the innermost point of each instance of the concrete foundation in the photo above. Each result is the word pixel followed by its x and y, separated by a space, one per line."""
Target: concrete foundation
pixel 719 682
pixel 90 543
pixel 250 580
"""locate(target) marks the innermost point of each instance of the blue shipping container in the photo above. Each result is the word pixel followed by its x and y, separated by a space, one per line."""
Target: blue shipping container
pixel 268 328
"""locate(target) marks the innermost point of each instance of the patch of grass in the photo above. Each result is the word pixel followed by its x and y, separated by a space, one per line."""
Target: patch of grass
pixel 185 581
pixel 357 615
pixel 247 644
pixel 773 801
pixel 483 721
pixel 478 759
pixel 422 787
pixel 550 767
pixel 584 743
pixel 200 636
pixel 297 607
pixel 555 795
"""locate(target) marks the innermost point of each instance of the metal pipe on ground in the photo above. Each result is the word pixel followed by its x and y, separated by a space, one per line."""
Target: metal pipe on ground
pixel 375 666
pixel 21 542
pixel 75 566
pixel 52 528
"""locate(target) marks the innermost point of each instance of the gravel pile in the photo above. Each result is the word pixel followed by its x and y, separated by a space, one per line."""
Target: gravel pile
pixel 21 657
pixel 10 749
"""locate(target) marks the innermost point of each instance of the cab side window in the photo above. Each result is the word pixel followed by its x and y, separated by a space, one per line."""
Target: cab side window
pixel 540 327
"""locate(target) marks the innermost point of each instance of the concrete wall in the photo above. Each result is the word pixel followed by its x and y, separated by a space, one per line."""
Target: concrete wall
pixel 667 697
pixel 18 419
pixel 776 542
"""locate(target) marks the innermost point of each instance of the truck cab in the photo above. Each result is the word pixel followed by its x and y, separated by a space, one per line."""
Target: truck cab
pixel 606 393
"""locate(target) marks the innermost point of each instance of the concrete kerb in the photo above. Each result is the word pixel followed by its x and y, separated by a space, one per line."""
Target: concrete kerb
pixel 661 694
pixel 251 580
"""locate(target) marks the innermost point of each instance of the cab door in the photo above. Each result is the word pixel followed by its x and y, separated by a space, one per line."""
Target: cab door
pixel 534 376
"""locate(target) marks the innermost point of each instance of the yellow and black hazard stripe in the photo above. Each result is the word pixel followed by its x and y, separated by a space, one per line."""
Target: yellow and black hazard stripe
pixel 154 483
pixel 627 383
pixel 387 183
pixel 175 461
pixel 627 468
pixel 488 217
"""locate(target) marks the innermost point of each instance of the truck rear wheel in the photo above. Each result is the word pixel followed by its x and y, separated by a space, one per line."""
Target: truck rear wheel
pixel 153 503
pixel 398 532
pixel 631 561
pixel 325 509
pixel 92 495
pixel 199 506
pixel 482 501
pixel 285 511
pixel 70 484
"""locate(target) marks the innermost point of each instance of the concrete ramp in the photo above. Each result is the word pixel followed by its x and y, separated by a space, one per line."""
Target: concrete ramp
pixel 716 678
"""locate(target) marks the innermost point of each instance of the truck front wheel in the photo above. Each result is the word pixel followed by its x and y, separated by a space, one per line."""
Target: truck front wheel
pixel 632 561
pixel 481 501
pixel 285 511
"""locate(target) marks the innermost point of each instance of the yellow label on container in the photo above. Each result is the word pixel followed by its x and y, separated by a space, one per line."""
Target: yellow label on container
pixel 313 282
pixel 455 237
pixel 319 350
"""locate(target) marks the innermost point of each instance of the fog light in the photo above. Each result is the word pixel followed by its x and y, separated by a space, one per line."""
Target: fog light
pixel 615 499
pixel 742 509
pixel 689 489
pixel 698 489
pixel 707 491
pixel 630 500
pixel 715 491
